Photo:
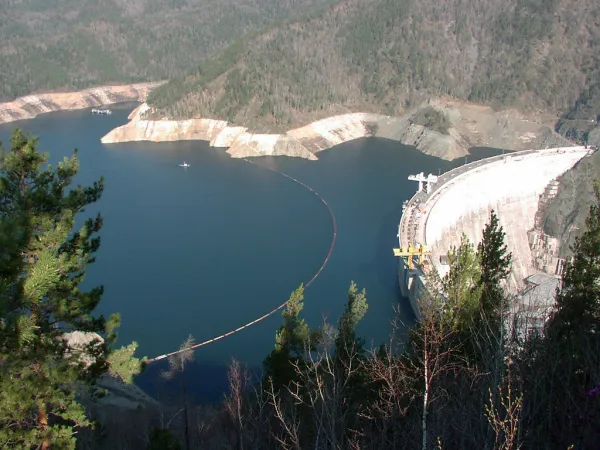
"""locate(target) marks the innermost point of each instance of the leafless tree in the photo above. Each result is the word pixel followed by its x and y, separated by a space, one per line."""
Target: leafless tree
pixel 395 396
pixel 505 421
pixel 436 353
pixel 324 388
pixel 287 434
pixel 177 363
pixel 234 402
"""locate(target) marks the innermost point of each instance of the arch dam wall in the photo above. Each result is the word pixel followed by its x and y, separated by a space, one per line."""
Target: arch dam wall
pixel 461 201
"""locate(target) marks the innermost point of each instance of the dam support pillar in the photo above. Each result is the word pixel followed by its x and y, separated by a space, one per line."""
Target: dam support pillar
pixel 411 285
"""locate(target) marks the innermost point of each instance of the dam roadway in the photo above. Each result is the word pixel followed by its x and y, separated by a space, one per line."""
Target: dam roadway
pixel 460 202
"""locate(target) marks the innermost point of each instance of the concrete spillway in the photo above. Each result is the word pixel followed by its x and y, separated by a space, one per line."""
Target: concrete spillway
pixel 461 200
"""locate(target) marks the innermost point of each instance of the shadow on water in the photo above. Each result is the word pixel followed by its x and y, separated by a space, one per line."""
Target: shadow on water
pixel 387 269
pixel 205 382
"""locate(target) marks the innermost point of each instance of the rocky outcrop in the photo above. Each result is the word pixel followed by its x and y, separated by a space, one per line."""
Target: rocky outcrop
pixel 446 146
pixel 562 217
pixel 108 390
pixel 470 126
pixel 30 106
pixel 305 142
pixel 544 248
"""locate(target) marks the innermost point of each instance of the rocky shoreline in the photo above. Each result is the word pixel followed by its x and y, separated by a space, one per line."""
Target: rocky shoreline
pixel 470 126
pixel 31 106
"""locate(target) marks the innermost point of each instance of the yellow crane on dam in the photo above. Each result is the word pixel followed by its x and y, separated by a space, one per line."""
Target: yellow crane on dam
pixel 410 252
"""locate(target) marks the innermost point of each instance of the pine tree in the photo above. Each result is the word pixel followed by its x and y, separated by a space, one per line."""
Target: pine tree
pixel 42 264
pixel 462 285
pixel 495 265
pixel 346 341
pixel 566 407
pixel 123 364
pixel 575 322
pixel 350 353
pixel 292 340
pixel 163 439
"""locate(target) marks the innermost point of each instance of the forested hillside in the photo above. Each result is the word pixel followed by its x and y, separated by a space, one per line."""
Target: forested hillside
pixel 384 55
pixel 72 44
pixel 564 216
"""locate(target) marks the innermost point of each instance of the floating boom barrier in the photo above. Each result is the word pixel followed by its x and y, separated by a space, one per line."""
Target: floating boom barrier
pixel 280 307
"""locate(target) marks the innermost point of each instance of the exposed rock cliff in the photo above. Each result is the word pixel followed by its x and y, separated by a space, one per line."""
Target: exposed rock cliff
pixel 115 392
pixel 30 106
pixel 115 405
pixel 563 216
pixel 468 126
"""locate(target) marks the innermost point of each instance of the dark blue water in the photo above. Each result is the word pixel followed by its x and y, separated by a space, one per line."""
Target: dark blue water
pixel 203 250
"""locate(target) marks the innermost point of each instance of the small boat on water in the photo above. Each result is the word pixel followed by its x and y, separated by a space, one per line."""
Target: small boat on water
pixel 102 112
pixel 184 164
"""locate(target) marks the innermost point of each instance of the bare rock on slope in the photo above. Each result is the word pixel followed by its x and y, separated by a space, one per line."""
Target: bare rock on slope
pixel 463 126
pixel 563 217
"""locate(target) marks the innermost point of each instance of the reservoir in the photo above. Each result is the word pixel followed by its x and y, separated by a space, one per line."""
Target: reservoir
pixel 205 249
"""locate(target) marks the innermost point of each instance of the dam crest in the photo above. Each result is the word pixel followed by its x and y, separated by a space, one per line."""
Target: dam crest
pixel 460 200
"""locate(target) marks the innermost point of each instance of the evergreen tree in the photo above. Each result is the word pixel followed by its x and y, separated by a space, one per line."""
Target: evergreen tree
pixel 123 364
pixel 42 264
pixel 575 322
pixel 350 350
pixel 564 365
pixel 462 285
pixel 346 341
pixel 495 265
pixel 292 340
pixel 163 439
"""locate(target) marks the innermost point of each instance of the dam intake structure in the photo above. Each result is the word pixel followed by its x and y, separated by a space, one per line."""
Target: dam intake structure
pixel 281 306
pixel 460 201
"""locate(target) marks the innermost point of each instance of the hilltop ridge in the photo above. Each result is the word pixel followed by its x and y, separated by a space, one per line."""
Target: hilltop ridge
pixel 69 45
pixel 539 56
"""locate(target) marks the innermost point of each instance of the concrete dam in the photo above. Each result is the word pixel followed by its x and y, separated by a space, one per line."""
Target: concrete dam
pixel 460 201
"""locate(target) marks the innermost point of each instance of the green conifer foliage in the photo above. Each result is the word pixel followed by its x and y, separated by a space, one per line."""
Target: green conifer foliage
pixel 575 323
pixel 290 343
pixel 462 285
pixel 163 439
pixel 563 376
pixel 350 351
pixel 43 261
pixel 294 333
pixel 355 310
pixel 495 262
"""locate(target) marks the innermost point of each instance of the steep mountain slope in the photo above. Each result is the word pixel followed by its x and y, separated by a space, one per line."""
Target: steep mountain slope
pixel 383 55
pixel 72 44
pixel 581 121
pixel 563 216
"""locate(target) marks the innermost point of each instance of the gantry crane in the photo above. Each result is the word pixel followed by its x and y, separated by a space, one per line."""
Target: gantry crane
pixel 410 252
pixel 429 179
